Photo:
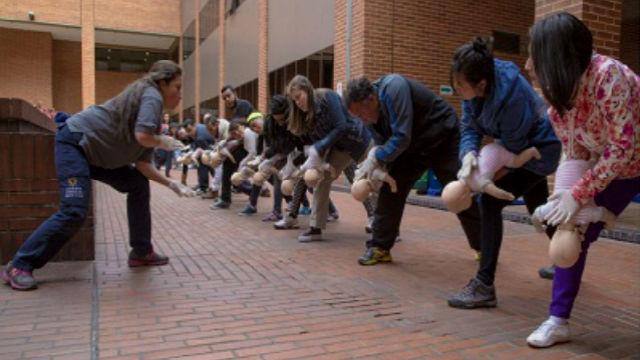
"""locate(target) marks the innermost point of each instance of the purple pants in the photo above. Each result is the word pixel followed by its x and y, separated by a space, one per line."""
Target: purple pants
pixel 566 281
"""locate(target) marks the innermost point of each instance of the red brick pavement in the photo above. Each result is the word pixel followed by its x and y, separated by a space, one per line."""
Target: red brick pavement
pixel 236 288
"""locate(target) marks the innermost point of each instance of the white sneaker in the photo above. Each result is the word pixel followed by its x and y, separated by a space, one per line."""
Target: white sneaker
pixel 287 222
pixel 549 334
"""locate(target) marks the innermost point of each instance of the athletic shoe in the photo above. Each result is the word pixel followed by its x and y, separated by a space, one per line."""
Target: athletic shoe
pixel 18 279
pixel 549 334
pixel 248 211
pixel 374 255
pixel 312 234
pixel 150 259
pixel 286 223
pixel 474 295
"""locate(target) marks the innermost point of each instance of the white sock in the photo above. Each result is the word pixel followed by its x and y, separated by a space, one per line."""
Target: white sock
pixel 558 320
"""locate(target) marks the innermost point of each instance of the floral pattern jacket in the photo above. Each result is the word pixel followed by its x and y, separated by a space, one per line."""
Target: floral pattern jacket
pixel 606 126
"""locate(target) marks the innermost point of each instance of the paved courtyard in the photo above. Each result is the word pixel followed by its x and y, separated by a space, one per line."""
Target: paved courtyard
pixel 236 288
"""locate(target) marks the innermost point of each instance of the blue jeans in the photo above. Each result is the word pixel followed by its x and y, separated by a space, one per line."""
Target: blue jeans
pixel 74 178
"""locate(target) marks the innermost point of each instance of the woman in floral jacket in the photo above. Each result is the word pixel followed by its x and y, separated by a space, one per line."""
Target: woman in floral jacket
pixel 595 111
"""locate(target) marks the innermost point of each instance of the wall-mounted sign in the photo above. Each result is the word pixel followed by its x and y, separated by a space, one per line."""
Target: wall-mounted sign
pixel 446 90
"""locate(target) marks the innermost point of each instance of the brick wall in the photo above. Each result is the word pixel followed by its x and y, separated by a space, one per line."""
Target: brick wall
pixel 630 34
pixel 25 65
pixel 418 38
pixel 154 16
pixel 28 185
pixel 111 83
pixel 603 17
pixel 57 12
pixel 66 76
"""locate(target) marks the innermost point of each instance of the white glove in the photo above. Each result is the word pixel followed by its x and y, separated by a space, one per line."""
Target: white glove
pixel 246 160
pixel 289 168
pixel 469 162
pixel 195 156
pixel 181 190
pixel 168 143
pixel 564 208
pixel 255 162
pixel 314 160
pixel 365 169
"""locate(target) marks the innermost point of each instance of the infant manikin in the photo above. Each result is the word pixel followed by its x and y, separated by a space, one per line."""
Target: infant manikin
pixel 290 174
pixel 361 188
pixel 314 176
pixel 493 157
pixel 565 245
pixel 266 169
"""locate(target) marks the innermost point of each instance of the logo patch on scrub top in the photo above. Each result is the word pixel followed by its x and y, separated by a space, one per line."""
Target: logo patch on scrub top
pixel 73 190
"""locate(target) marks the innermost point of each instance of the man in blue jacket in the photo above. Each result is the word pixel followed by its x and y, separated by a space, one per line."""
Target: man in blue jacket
pixel 415 130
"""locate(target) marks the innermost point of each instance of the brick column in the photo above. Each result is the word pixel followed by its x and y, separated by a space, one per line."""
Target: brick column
pixel 221 54
pixel 263 55
pixel 196 98
pixel 603 17
pixel 357 56
pixel 181 63
pixel 88 61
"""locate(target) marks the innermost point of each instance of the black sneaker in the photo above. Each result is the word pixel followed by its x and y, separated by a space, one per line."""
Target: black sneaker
pixel 374 255
pixel 313 234
pixel 547 272
pixel 474 295
pixel 150 259
pixel 220 204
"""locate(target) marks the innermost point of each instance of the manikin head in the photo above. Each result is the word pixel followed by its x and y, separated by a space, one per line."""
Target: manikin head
pixel 361 189
pixel 287 187
pixel 565 246
pixel 258 179
pixel 237 178
pixel 312 177
pixel 456 196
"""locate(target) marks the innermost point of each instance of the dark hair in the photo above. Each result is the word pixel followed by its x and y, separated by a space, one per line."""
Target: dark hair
pixel 279 105
pixel 128 101
pixel 227 87
pixel 474 60
pixel 561 49
pixel 236 123
pixel 210 120
pixel 357 90
pixel 188 122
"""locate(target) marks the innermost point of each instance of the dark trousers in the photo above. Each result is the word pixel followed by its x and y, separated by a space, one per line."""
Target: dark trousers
pixel 163 157
pixel 406 170
pixel 203 176
pixel 228 168
pixel 277 194
pixel 520 182
pixel 74 178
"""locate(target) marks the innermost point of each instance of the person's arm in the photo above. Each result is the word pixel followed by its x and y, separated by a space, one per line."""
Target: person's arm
pixel 148 123
pixel 147 140
pixel 470 137
pixel 395 96
pixel 515 123
pixel 616 104
pixel 150 172
pixel 338 120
